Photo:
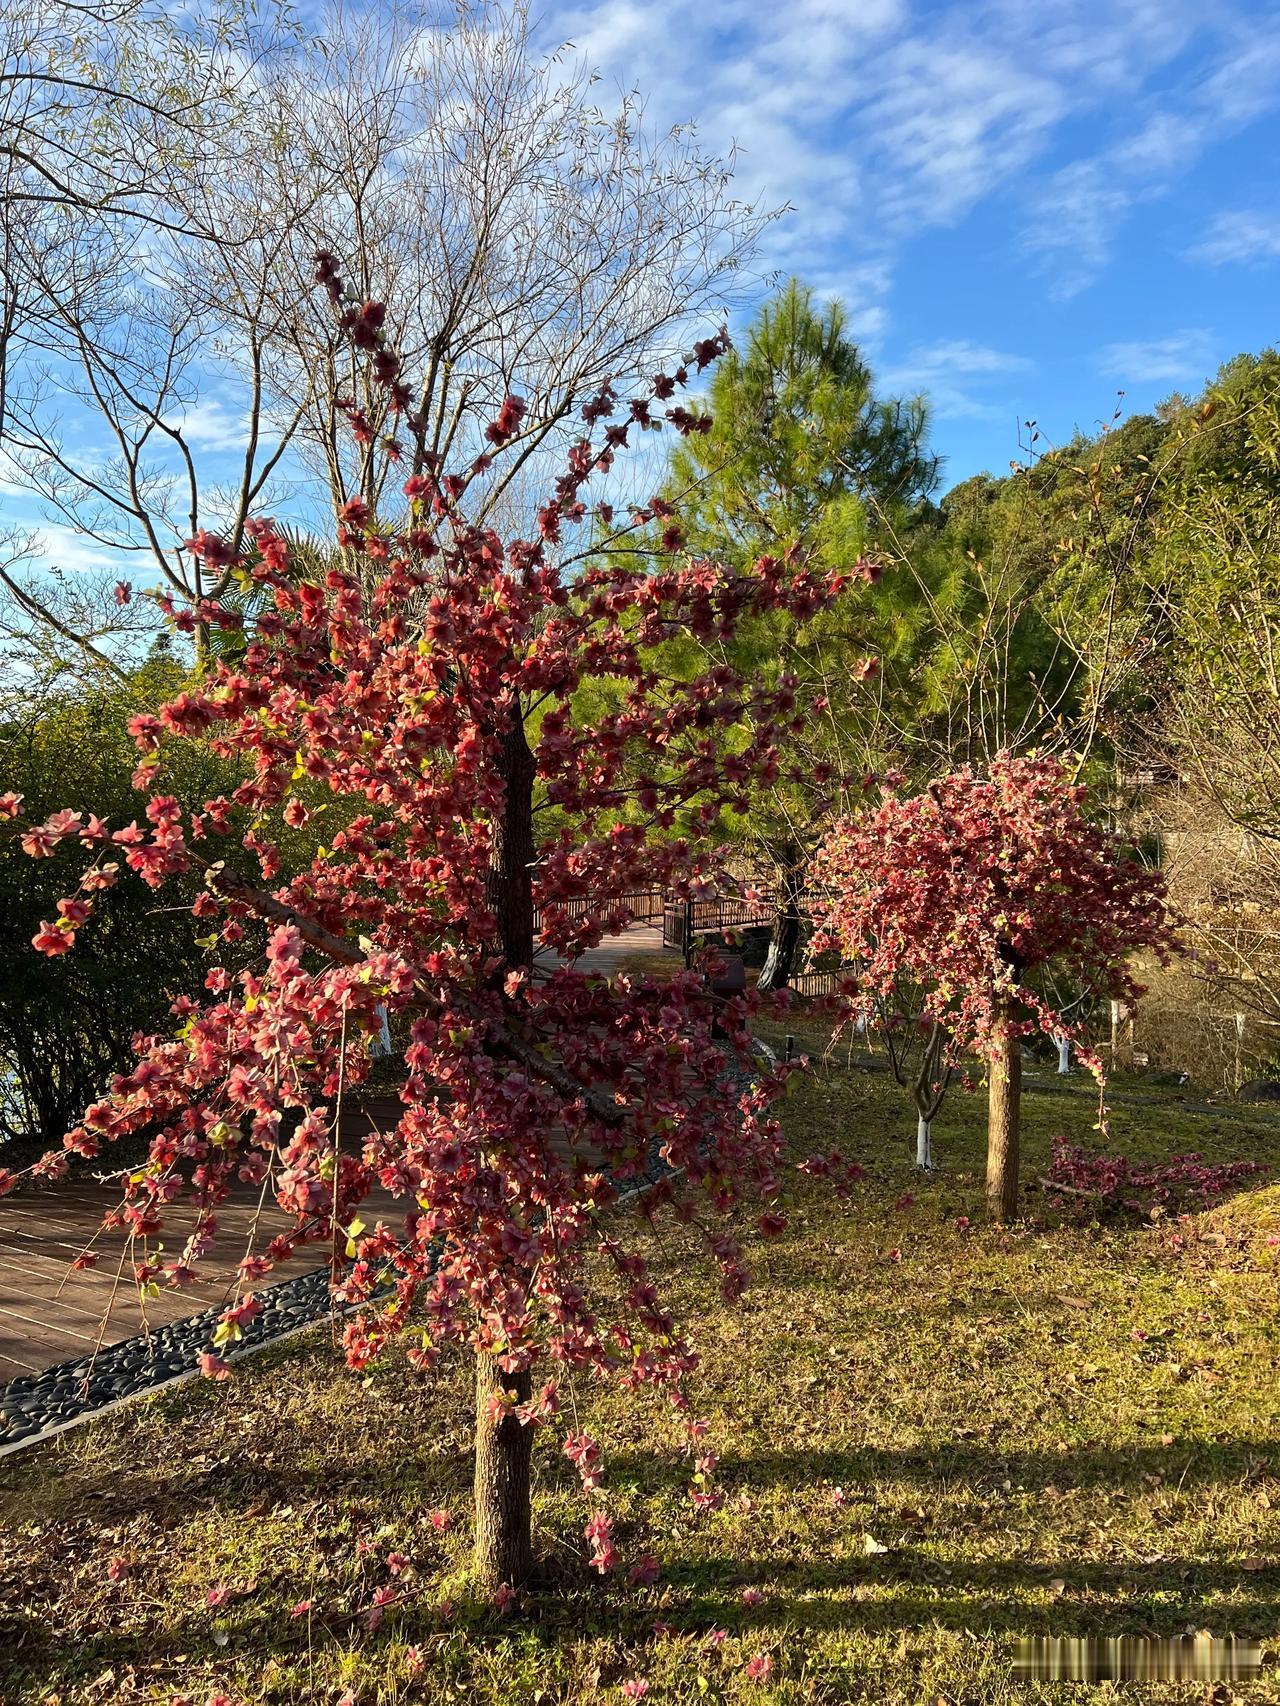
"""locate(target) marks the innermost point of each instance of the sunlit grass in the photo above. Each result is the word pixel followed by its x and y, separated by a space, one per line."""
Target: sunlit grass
pixel 932 1438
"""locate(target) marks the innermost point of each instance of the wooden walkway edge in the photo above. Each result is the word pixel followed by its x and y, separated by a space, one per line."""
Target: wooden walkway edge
pixel 50 1313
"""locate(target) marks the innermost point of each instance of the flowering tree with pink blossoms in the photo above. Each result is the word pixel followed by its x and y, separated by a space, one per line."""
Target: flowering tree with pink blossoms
pixel 423 688
pixel 971 890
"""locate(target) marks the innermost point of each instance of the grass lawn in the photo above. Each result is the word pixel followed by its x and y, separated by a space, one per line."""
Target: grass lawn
pixel 932 1440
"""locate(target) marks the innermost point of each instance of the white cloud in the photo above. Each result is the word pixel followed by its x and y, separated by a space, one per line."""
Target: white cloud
pixel 1073 224
pixel 951 120
pixel 1105 49
pixel 959 355
pixel 952 372
pixel 210 424
pixel 862 288
pixel 876 121
pixel 1078 211
pixel 54 546
pixel 1183 355
pixel 1246 84
pixel 1241 237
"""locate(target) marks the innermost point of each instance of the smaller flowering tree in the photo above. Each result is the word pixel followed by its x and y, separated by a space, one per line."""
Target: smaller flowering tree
pixel 973 891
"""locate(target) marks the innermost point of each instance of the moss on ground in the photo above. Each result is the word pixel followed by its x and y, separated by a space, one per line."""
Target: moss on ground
pixel 933 1439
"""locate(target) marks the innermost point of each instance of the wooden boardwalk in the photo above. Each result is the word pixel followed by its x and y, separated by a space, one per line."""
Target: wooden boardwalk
pixel 51 1314
pixel 639 939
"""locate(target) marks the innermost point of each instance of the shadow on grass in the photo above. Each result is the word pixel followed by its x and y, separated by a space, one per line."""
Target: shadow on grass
pixel 861 1468
pixel 907 1588
pixel 860 1471
pixel 887 1597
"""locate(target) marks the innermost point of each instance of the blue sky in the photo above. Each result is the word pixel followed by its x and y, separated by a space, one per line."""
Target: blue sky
pixel 1027 208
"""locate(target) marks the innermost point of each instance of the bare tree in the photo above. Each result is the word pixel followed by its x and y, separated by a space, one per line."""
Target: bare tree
pixel 93 91
pixel 95 97
pixel 55 624
pixel 525 237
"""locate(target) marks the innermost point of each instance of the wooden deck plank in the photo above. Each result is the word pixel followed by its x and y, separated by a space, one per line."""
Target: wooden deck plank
pixel 92 1305
pixel 15 1324
pixel 51 1313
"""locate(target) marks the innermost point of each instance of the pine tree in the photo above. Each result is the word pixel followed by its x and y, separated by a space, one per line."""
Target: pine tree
pixel 805 463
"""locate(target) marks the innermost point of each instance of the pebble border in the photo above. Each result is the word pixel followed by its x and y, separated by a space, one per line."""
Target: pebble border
pixel 35 1405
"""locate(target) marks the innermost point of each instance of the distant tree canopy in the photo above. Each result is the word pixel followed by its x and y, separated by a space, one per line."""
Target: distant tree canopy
pixel 1035 611
pixel 803 461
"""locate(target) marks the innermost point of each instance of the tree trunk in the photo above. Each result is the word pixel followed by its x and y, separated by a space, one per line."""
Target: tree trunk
pixel 784 941
pixel 1064 1055
pixel 503 1524
pixel 503 1488
pixel 924 1146
pixel 1004 1093
pixel 510 876
pixel 927 1090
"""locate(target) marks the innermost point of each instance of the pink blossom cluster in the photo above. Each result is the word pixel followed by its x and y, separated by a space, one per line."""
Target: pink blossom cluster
pixel 967 890
pixel 1099 1183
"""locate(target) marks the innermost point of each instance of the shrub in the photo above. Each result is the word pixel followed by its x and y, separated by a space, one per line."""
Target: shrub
pixel 1113 1184
pixel 67 1024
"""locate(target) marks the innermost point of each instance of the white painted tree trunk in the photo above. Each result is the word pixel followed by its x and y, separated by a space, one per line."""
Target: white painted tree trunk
pixel 924 1146
pixel 1064 1055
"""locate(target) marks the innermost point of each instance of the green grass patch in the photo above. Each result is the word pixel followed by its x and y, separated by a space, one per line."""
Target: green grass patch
pixel 933 1439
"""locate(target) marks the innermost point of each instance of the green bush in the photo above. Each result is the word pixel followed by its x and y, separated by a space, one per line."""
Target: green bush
pixel 66 1023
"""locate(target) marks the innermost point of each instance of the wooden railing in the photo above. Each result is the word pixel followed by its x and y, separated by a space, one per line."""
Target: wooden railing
pixel 683 921
pixel 644 905
pixel 810 985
